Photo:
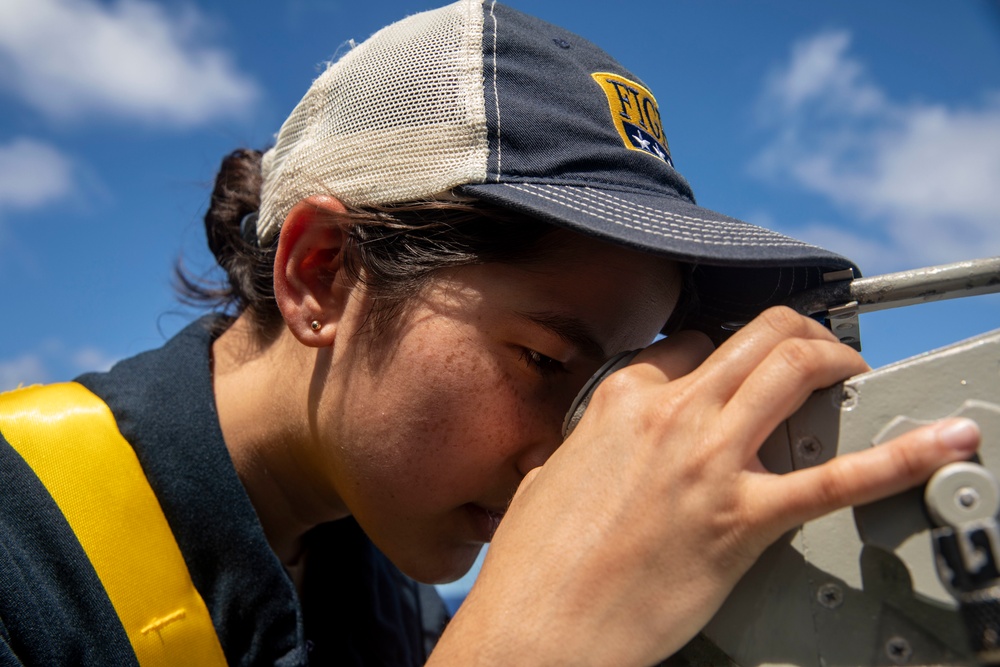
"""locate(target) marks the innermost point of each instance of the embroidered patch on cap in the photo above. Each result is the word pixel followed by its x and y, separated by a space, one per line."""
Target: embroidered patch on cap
pixel 635 114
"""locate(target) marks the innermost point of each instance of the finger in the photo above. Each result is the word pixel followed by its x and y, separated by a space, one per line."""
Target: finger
pixel 673 357
pixel 866 476
pixel 654 366
pixel 781 383
pixel 741 354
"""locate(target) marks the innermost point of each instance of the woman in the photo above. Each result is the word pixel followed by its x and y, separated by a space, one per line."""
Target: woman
pixel 461 221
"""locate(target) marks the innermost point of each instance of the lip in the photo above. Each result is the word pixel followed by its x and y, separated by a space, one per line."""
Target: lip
pixel 484 520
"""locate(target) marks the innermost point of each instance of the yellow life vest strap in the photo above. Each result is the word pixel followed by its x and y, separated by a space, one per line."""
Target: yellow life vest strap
pixel 70 439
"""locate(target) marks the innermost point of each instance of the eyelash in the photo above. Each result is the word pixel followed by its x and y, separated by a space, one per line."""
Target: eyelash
pixel 539 362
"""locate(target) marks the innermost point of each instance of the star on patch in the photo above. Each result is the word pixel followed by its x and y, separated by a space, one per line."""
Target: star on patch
pixel 642 141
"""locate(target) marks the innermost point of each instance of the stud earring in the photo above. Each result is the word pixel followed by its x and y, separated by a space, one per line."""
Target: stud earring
pixel 315 325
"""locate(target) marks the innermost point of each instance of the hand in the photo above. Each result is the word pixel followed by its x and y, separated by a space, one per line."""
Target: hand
pixel 624 544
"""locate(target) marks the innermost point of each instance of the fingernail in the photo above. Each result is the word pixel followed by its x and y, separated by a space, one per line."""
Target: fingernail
pixel 960 434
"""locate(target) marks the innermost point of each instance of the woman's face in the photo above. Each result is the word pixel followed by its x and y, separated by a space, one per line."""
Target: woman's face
pixel 427 430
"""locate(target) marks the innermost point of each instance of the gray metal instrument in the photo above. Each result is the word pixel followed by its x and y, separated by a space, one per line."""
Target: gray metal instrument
pixel 911 580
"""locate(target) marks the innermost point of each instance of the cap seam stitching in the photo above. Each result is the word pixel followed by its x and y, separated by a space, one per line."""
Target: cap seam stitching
pixel 583 182
pixel 671 221
pixel 496 92
pixel 749 230
pixel 645 227
pixel 657 215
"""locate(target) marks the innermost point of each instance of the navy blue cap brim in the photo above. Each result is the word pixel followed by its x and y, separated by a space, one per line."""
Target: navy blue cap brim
pixel 738 269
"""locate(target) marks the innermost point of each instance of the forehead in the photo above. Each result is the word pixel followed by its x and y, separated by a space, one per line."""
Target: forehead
pixel 615 292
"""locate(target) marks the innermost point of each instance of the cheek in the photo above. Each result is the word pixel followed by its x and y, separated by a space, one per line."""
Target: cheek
pixel 437 424
pixel 455 401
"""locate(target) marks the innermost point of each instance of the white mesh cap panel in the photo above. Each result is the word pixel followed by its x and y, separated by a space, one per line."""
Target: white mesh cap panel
pixel 399 118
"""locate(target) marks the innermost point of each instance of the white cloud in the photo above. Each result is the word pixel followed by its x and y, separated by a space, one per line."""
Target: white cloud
pixel 52 360
pixel 92 359
pixel 819 73
pixel 131 58
pixel 24 370
pixel 32 173
pixel 920 178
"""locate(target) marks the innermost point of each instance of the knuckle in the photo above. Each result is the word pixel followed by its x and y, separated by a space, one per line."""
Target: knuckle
pixel 906 462
pixel 649 409
pixel 799 356
pixel 788 323
pixel 785 321
pixel 622 382
pixel 833 487
pixel 695 343
pixel 624 392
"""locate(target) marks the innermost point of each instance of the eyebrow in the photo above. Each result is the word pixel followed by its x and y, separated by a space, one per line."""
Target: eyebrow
pixel 570 329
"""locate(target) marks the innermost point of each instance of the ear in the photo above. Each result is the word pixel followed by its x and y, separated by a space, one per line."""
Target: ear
pixel 309 284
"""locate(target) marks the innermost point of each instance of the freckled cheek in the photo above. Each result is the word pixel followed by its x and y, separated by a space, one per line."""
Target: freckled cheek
pixel 456 426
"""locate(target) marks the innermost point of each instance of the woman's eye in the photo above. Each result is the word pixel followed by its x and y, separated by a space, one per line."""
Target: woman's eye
pixel 539 362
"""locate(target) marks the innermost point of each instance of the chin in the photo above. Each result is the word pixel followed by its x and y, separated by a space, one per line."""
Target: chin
pixel 439 567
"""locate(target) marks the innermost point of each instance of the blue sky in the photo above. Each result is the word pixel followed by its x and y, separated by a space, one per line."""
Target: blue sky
pixel 870 127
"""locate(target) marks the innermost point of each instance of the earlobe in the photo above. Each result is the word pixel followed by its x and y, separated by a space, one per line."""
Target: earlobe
pixel 308 282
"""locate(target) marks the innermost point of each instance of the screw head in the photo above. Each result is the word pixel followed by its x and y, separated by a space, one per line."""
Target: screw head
pixel 808 448
pixel 830 595
pixel 967 497
pixel 898 650
pixel 847 398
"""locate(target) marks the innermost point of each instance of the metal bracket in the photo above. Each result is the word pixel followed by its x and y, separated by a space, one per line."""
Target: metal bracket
pixel 844 324
pixel 843 297
pixel 963 500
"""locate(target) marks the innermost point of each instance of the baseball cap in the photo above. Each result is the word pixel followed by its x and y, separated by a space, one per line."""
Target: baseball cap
pixel 483 101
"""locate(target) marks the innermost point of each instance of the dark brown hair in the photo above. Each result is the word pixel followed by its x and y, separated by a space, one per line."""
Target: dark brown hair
pixel 391 250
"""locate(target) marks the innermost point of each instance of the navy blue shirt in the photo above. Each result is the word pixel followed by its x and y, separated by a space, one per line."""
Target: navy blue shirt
pixel 356 607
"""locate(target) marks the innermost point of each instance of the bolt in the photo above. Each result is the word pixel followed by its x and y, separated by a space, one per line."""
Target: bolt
pixel 808 448
pixel 898 650
pixel 830 596
pixel 967 497
pixel 847 399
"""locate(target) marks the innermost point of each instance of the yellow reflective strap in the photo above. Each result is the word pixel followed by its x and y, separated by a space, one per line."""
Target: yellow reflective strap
pixel 71 441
